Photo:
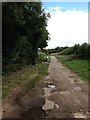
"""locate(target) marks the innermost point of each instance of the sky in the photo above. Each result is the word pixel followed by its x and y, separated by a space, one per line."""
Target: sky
pixel 68 24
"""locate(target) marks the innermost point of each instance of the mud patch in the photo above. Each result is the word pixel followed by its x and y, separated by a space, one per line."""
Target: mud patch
pixel 34 112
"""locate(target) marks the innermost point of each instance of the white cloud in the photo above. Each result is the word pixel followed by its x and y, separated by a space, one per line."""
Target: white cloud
pixel 54 8
pixel 67 28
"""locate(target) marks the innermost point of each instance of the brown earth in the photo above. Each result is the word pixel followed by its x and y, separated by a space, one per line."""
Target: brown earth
pixel 61 94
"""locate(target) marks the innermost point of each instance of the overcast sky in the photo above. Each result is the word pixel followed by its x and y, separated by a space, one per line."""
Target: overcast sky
pixel 68 24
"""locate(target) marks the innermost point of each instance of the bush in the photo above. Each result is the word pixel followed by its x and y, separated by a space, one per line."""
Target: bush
pixel 67 51
pixel 43 57
pixel 82 52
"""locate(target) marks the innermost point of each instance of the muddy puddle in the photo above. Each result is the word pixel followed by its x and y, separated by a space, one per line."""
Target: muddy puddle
pixel 34 109
pixel 47 92
pixel 39 111
pixel 34 112
pixel 48 103
pixel 79 115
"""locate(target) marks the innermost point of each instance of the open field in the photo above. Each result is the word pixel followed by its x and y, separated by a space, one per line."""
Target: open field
pixel 81 67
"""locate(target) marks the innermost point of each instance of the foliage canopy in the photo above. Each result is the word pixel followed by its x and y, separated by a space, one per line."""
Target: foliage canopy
pixel 24 31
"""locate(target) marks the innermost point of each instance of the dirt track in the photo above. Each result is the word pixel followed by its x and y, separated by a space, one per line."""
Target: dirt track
pixel 61 94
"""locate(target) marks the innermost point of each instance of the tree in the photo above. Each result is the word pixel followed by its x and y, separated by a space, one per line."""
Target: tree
pixel 12 22
pixel 82 51
pixel 36 23
pixel 24 31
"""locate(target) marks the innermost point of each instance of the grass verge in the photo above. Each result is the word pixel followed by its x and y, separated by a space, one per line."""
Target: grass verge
pixel 62 57
pixel 32 83
pixel 81 67
pixel 15 79
pixel 42 71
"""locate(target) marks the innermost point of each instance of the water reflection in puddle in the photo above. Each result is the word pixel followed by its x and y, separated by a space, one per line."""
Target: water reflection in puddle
pixel 51 86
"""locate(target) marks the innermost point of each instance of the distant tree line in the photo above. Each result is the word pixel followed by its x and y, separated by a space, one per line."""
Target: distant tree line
pixel 57 49
pixel 80 51
pixel 23 32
